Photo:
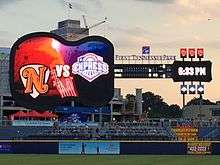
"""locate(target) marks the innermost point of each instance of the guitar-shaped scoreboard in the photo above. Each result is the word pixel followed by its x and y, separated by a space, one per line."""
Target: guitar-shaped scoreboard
pixel 46 70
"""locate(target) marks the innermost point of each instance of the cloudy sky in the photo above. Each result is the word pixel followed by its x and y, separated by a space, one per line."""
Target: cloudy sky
pixel 165 25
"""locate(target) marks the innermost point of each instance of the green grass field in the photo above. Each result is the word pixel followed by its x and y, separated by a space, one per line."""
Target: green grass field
pixel 107 160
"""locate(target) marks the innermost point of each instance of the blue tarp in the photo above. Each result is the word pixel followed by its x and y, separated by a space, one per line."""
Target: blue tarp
pixel 83 110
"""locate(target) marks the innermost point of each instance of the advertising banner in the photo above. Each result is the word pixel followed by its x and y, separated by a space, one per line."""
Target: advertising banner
pixel 32 123
pixel 89 148
pixel 199 148
pixel 5 148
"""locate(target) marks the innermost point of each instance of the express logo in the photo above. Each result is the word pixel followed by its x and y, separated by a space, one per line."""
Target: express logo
pixel 90 66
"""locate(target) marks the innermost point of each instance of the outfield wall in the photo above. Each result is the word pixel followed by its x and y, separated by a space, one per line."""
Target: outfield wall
pixel 109 147
pixel 166 148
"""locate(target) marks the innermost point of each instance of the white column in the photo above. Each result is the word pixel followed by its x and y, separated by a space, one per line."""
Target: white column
pixel 93 117
pixel 1 109
pixel 139 101
pixel 111 109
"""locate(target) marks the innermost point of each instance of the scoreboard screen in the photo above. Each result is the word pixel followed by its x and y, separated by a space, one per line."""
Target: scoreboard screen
pixel 179 71
pixel 47 70
pixel 192 71
pixel 143 70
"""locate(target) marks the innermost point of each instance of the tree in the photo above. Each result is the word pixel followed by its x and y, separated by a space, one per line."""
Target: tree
pixel 176 111
pixel 157 108
pixel 154 106
pixel 198 101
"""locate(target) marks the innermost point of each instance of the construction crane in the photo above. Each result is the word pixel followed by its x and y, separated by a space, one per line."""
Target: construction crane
pixel 94 25
pixel 87 28
pixel 84 20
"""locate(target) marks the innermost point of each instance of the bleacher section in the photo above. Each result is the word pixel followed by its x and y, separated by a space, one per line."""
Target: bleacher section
pixel 147 130
pixel 209 133
pixel 115 131
pixel 10 132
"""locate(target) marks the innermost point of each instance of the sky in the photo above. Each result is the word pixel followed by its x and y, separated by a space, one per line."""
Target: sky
pixel 165 25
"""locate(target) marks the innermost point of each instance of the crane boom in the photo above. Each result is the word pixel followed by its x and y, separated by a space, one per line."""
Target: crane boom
pixel 97 24
pixel 84 20
pixel 88 27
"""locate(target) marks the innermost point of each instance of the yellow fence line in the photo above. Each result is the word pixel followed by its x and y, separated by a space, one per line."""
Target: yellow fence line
pixel 129 141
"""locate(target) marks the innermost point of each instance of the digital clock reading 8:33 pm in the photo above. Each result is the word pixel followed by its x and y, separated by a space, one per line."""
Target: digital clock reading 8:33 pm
pixel 192 71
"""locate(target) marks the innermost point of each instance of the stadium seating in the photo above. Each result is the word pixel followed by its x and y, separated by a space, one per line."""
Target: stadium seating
pixel 119 131
pixel 10 132
pixel 209 133
pixel 152 129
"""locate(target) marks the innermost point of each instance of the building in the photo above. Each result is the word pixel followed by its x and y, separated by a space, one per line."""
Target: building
pixel 117 105
pixel 202 112
pixel 4 71
pixel 123 109
pixel 6 101
pixel 116 110
pixel 71 30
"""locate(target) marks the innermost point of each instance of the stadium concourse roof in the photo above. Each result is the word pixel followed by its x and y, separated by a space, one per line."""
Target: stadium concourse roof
pixel 34 113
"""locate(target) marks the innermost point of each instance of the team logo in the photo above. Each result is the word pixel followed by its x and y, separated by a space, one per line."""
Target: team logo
pixel 90 66
pixel 34 79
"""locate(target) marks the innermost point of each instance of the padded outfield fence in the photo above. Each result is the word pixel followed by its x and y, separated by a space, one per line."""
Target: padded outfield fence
pixel 109 147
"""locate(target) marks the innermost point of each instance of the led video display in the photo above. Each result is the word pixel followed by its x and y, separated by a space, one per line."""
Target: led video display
pixel 46 70
pixel 192 71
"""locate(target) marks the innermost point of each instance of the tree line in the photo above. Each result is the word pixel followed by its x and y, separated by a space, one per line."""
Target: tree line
pixel 155 106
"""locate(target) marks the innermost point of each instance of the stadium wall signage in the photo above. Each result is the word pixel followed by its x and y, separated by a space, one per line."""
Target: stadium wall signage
pixel 145 57
pixel 110 147
pixel 46 70
pixel 199 148
pixel 32 123
pixel 89 148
